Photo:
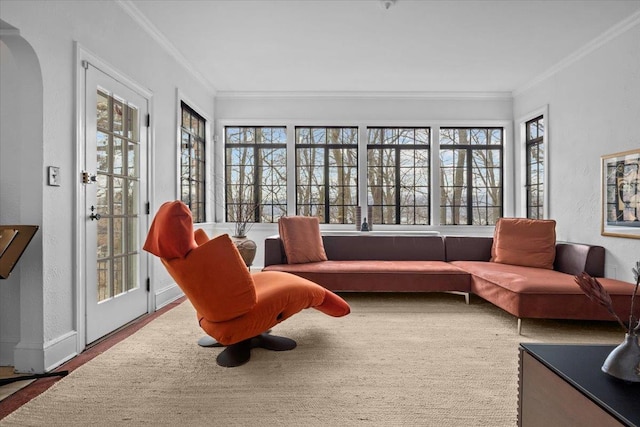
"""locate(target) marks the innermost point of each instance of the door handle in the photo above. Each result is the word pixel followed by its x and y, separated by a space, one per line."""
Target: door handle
pixel 94 216
pixel 88 178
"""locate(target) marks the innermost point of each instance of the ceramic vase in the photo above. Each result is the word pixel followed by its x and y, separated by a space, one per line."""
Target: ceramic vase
pixel 624 361
pixel 246 247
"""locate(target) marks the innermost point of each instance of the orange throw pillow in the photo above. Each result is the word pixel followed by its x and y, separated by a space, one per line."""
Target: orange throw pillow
pixel 526 242
pixel 301 239
pixel 171 232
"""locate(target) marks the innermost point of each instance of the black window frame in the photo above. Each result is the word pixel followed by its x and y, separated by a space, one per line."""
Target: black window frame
pixel 347 212
pixel 382 144
pixel 193 181
pixel 254 210
pixel 535 144
pixel 468 178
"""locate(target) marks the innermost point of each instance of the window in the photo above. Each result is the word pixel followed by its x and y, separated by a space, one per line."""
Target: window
pixel 398 175
pixel 470 175
pixel 534 140
pixel 255 174
pixel 192 162
pixel 327 173
pixel 399 171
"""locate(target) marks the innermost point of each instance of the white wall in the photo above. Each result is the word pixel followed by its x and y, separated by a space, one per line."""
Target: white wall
pixel 354 109
pixel 594 110
pixel 105 30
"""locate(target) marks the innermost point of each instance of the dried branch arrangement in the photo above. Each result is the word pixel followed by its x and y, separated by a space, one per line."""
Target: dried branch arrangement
pixel 597 293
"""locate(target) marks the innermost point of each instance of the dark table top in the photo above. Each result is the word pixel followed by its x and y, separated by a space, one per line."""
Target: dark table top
pixel 580 365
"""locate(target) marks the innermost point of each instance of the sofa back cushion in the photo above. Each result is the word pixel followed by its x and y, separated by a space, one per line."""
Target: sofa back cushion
pixel 466 248
pixel 388 248
pixel 301 239
pixel 526 242
pixel 575 258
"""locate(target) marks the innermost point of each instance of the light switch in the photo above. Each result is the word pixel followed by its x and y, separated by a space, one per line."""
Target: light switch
pixel 54 176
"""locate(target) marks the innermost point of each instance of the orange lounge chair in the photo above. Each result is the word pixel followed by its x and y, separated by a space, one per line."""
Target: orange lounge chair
pixel 235 307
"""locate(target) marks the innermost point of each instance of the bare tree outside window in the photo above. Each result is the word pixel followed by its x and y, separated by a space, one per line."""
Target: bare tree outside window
pixel 192 162
pixel 398 175
pixel 255 175
pixel 534 140
pixel 470 176
pixel 327 173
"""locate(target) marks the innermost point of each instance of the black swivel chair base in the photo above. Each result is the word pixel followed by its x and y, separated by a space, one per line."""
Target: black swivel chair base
pixel 240 353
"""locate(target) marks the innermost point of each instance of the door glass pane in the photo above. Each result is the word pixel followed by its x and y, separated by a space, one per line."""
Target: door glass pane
pixel 104 280
pixel 104 241
pixel 132 197
pixel 132 123
pixel 118 276
pixel 118 230
pixel 117 156
pixel 102 148
pixel 117 196
pixel 103 194
pixel 132 234
pixel 132 272
pixel 132 155
pixel 103 111
pixel 118 117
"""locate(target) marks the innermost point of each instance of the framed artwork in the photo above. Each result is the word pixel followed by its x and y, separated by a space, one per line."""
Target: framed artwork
pixel 14 239
pixel 621 194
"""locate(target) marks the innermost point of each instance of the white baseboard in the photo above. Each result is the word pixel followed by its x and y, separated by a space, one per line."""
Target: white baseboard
pixel 60 350
pixel 167 295
pixel 35 358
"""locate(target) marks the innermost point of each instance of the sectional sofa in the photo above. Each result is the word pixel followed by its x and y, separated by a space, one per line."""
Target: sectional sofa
pixel 373 263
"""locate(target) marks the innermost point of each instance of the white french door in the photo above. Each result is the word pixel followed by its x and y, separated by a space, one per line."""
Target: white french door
pixel 115 200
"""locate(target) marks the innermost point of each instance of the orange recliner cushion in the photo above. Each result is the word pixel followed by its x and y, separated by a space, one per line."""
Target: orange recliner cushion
pixel 215 279
pixel 526 242
pixel 301 239
pixel 280 296
pixel 171 232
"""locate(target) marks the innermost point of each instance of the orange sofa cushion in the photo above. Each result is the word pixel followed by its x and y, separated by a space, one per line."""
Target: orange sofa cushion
pixel 301 239
pixel 525 242
pixel 215 279
pixel 171 232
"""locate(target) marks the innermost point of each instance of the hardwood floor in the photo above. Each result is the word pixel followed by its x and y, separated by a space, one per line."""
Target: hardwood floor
pixel 8 389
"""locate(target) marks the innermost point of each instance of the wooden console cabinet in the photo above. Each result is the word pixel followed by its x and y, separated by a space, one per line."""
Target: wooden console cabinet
pixel 562 385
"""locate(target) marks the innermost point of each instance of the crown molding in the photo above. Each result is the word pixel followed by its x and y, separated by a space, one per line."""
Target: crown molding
pixel 618 29
pixel 363 95
pixel 144 23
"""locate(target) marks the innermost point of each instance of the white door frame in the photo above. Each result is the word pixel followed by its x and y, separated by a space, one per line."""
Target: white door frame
pixel 82 57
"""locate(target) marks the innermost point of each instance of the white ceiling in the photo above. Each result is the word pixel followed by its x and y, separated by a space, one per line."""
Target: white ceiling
pixel 359 46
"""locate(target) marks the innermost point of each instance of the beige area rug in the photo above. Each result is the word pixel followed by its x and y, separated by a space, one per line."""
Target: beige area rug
pixel 396 360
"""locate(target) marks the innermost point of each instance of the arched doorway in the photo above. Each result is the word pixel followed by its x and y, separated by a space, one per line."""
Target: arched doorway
pixel 21 156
